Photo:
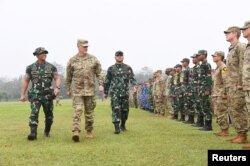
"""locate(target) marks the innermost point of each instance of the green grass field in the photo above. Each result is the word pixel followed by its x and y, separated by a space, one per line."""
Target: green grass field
pixel 149 140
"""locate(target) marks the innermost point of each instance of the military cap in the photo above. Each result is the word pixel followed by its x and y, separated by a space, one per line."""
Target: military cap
pixel 83 42
pixel 118 53
pixel 246 25
pixel 40 50
pixel 185 60
pixel 159 71
pixel 178 65
pixel 232 29
pixel 219 53
pixel 194 55
pixel 202 52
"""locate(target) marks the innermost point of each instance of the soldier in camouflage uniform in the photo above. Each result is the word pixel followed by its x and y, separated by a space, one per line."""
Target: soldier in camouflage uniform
pixel 135 97
pixel 178 94
pixel 195 85
pixel 171 92
pixel 187 91
pixel 169 101
pixel 117 80
pixel 41 74
pixel 205 89
pixel 150 98
pixel 219 93
pixel 246 72
pixel 234 85
pixel 139 95
pixel 159 93
pixel 81 72
pixel 144 96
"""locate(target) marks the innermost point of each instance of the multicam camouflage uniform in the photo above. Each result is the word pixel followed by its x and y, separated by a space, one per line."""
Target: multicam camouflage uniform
pixel 159 93
pixel 117 80
pixel 234 78
pixel 246 79
pixel 41 92
pixel 219 93
pixel 81 72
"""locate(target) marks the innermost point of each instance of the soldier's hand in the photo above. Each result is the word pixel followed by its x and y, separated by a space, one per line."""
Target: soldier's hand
pixel 206 93
pixel 101 88
pixel 23 98
pixel 239 87
pixel 190 94
pixel 68 93
pixel 56 91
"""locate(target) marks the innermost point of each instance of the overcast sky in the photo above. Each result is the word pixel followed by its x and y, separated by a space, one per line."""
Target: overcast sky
pixel 153 33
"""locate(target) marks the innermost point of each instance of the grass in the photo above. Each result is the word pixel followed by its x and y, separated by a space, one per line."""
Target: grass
pixel 149 140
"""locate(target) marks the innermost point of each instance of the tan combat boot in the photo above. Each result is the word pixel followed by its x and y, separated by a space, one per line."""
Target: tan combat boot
pixel 89 135
pixel 75 136
pixel 246 147
pixel 222 133
pixel 231 139
pixel 242 139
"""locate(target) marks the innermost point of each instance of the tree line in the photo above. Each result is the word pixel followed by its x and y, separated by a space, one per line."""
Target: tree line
pixel 10 89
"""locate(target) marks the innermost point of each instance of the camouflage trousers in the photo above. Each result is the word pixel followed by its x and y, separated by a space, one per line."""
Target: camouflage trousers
pixel 178 104
pixel 247 98
pixel 35 106
pixel 188 104
pixel 169 105
pixel 237 107
pixel 205 106
pixel 221 112
pixel 135 100
pixel 120 108
pixel 89 104
pixel 159 105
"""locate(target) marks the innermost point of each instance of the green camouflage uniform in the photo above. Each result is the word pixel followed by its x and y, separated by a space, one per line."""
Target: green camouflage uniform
pixel 206 85
pixel 81 72
pixel 150 98
pixel 41 92
pixel 117 80
pixel 177 93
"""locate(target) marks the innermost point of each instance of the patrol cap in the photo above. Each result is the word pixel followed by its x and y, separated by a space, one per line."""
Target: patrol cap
pixel 178 65
pixel 40 50
pixel 159 71
pixel 185 60
pixel 194 55
pixel 117 53
pixel 232 29
pixel 202 52
pixel 246 25
pixel 83 42
pixel 219 53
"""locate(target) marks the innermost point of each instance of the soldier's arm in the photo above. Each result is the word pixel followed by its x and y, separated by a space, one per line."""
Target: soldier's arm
pixel 223 76
pixel 208 79
pixel 25 84
pixel 240 52
pixel 132 77
pixel 99 73
pixel 107 81
pixel 68 78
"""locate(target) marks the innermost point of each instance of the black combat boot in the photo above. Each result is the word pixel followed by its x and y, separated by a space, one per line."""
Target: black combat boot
pixel 207 126
pixel 33 132
pixel 123 127
pixel 47 129
pixel 191 119
pixel 175 116
pixel 117 128
pixel 200 121
pixel 183 117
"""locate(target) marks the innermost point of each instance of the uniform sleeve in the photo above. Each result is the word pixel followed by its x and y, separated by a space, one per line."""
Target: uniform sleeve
pixel 132 77
pixel 107 81
pixel 28 72
pixel 54 71
pixel 69 75
pixel 240 52
pixel 99 73
pixel 208 79
pixel 223 76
